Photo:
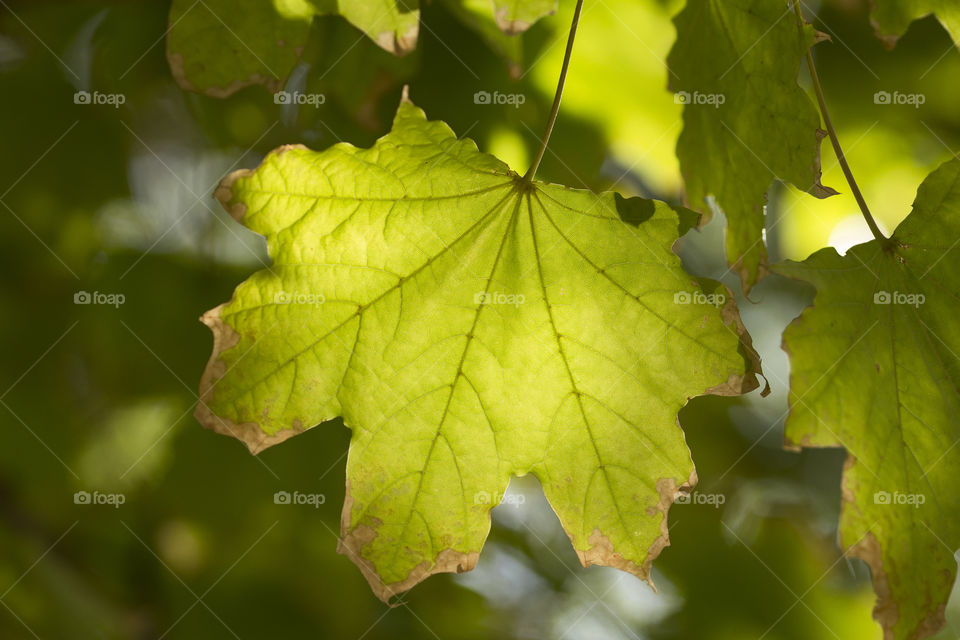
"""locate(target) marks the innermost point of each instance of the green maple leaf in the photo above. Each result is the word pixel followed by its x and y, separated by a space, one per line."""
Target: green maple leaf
pixel 214 48
pixel 468 325
pixel 892 17
pixel 746 120
pixel 875 369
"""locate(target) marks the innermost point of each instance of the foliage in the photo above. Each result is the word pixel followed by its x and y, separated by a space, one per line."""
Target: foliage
pixel 874 371
pixel 746 120
pixel 468 326
pixel 122 516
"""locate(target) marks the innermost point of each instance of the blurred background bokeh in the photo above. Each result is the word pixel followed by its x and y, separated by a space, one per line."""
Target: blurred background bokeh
pixel 99 397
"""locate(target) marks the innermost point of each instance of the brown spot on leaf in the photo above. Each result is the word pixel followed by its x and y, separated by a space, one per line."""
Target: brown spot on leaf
pixel 179 73
pixel 885 612
pixel 889 40
pixel 399 44
pixel 747 278
pixel 224 191
pixel 175 60
pixel 250 433
pixel 737 384
pixel 513 27
pixel 817 189
pixel 791 445
pixel 602 552
pixel 868 549
pixel 848 499
pixel 352 542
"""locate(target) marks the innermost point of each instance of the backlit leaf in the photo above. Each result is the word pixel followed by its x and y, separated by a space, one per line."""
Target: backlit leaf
pixel 892 17
pixel 469 326
pixel 746 120
pixel 875 369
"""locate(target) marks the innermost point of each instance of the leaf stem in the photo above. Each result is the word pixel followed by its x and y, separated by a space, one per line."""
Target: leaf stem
pixel 842 159
pixel 555 109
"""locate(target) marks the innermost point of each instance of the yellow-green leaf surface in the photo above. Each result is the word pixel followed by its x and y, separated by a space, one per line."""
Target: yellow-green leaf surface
pixel 216 47
pixel 892 17
pixel 392 24
pixel 875 369
pixel 515 16
pixel 746 120
pixel 468 326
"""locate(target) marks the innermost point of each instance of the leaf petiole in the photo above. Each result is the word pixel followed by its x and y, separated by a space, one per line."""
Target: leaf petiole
pixel 555 109
pixel 835 141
